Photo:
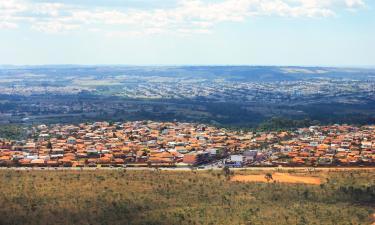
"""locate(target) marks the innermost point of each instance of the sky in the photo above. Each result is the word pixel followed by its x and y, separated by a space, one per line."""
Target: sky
pixel 188 32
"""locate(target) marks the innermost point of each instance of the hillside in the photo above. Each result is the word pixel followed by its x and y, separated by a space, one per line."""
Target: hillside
pixel 162 197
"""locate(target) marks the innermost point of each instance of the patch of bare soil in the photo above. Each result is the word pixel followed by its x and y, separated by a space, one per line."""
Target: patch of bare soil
pixel 278 177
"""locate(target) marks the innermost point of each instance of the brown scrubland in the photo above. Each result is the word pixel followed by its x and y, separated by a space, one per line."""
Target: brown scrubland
pixel 186 197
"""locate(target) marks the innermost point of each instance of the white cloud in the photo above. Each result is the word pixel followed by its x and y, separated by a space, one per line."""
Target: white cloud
pixel 189 16
pixel 355 3
pixel 50 9
pixel 8 11
pixel 12 6
pixel 53 26
pixel 7 25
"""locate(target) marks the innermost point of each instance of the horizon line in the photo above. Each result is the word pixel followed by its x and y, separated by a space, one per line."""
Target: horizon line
pixel 185 65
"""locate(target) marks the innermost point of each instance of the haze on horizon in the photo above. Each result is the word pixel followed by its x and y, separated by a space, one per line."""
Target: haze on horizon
pixel 188 32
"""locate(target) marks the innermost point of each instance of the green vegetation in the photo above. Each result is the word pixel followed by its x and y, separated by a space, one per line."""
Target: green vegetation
pixel 278 123
pixel 268 177
pixel 192 197
pixel 14 132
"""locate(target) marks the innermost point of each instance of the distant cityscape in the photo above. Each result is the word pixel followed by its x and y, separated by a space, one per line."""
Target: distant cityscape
pixel 224 96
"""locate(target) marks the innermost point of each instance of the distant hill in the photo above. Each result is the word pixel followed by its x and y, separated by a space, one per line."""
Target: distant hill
pixel 231 73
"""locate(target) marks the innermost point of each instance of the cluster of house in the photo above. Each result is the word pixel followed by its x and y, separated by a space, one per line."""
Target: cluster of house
pixel 142 143
pixel 314 146
pixel 148 143
pixel 327 145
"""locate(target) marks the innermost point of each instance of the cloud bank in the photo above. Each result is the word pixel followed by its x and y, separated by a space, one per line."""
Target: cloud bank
pixel 186 17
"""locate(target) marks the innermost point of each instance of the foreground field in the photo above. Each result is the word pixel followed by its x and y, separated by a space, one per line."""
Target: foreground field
pixel 184 197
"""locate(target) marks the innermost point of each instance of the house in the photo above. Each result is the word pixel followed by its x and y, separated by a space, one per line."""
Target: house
pixel 235 161
pixel 71 140
pixel 52 163
pixel 196 158
pixel 250 155
pixel 38 162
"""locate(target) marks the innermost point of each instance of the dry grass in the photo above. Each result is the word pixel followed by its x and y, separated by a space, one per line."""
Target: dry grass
pixel 167 197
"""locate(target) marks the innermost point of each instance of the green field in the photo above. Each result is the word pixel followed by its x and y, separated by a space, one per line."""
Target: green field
pixel 192 197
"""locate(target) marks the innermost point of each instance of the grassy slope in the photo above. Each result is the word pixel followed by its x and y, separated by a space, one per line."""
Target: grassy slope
pixel 147 197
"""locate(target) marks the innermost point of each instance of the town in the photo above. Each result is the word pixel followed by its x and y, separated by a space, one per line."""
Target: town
pixel 189 145
pixel 241 96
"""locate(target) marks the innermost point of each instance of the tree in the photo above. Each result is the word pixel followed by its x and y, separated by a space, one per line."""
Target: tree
pixel 49 145
pixel 268 177
pixel 226 172
pixel 306 194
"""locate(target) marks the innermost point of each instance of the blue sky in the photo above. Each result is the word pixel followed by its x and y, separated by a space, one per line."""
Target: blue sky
pixel 188 32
